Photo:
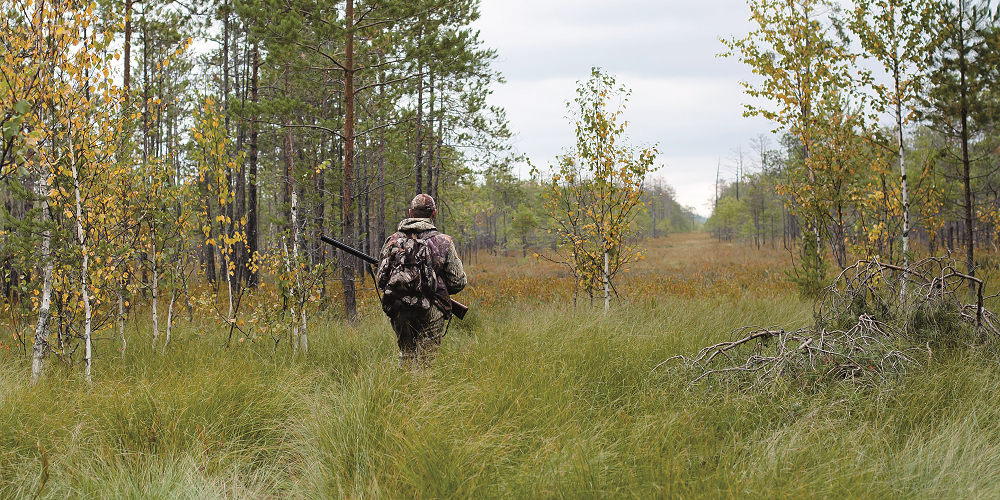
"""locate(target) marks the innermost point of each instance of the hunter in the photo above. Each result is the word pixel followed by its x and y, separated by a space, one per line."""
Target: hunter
pixel 418 271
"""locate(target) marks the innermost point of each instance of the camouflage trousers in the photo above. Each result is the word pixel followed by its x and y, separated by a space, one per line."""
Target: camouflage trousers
pixel 418 337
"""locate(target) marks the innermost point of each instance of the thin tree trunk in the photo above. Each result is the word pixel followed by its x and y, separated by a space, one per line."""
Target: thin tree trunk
pixel 84 270
pixel 127 71
pixel 902 181
pixel 380 221
pixel 170 318
pixel 607 283
pixel 437 162
pixel 156 294
pixel 239 223
pixel 418 165
pixel 38 347
pixel 121 321
pixel 431 142
pixel 293 335
pixel 253 224
pixel 289 157
pixel 299 339
pixel 970 263
pixel 347 270
pixel 366 205
pixel 226 209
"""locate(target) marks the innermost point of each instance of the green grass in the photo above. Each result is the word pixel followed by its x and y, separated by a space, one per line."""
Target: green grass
pixel 542 402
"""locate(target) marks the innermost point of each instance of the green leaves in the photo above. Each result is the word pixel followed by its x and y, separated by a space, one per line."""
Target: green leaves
pixel 22 107
pixel 11 128
pixel 12 125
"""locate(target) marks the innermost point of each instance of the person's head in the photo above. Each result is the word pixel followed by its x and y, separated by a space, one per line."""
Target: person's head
pixel 423 207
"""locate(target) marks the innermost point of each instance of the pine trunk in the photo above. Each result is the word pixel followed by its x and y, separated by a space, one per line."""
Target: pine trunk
pixel 418 164
pixel 347 270
pixel 253 274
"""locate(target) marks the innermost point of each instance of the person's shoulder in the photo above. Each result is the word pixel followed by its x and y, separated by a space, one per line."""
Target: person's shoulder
pixel 391 239
pixel 441 237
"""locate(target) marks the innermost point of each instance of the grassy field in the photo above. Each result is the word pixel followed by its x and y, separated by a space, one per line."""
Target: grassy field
pixel 529 398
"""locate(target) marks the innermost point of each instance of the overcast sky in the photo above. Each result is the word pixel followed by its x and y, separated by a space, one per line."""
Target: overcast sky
pixel 683 96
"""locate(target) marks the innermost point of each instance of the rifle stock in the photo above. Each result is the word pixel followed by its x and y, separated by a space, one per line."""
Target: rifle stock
pixel 457 308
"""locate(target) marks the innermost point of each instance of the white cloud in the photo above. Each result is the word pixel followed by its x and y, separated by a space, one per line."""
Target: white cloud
pixel 683 97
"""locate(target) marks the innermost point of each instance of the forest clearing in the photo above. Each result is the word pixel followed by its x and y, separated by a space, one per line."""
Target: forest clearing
pixel 529 398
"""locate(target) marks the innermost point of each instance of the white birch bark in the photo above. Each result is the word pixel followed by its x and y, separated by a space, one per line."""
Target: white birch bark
pixel 299 339
pixel 902 175
pixel 84 271
pixel 906 199
pixel 42 327
pixel 294 334
pixel 156 294
pixel 226 260
pixel 170 319
pixel 229 285
pixel 121 321
pixel 607 284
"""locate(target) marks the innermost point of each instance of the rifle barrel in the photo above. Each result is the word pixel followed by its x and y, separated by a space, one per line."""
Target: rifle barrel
pixel 361 255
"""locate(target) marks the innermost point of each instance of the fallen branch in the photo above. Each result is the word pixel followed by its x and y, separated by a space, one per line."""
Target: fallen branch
pixel 867 322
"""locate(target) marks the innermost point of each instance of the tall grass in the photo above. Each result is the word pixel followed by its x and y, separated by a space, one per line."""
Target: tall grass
pixel 532 399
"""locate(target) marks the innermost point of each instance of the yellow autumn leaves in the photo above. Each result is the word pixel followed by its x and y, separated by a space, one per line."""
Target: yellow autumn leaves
pixel 595 191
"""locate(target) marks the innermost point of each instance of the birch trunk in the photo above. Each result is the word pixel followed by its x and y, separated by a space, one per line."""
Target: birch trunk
pixel 294 334
pixel 904 192
pixel 170 318
pixel 42 327
pixel 156 295
pixel 903 186
pixel 88 347
pixel 299 338
pixel 121 321
pixel 607 283
pixel 229 285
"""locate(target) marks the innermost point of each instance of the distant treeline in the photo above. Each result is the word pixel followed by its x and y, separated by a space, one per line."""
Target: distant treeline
pixel 498 212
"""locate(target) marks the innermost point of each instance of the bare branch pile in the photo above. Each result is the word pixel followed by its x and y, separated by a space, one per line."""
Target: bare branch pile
pixel 874 322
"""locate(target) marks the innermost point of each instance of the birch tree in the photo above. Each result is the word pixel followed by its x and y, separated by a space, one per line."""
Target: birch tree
pixel 596 190
pixel 896 33
pixel 802 71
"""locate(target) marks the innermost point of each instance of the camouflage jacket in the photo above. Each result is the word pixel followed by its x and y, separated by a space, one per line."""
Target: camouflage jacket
pixel 447 266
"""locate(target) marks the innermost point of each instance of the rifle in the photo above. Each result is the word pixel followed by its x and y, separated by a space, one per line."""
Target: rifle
pixel 457 308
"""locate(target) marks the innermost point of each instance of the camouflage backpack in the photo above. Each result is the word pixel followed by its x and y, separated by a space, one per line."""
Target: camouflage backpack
pixel 411 279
